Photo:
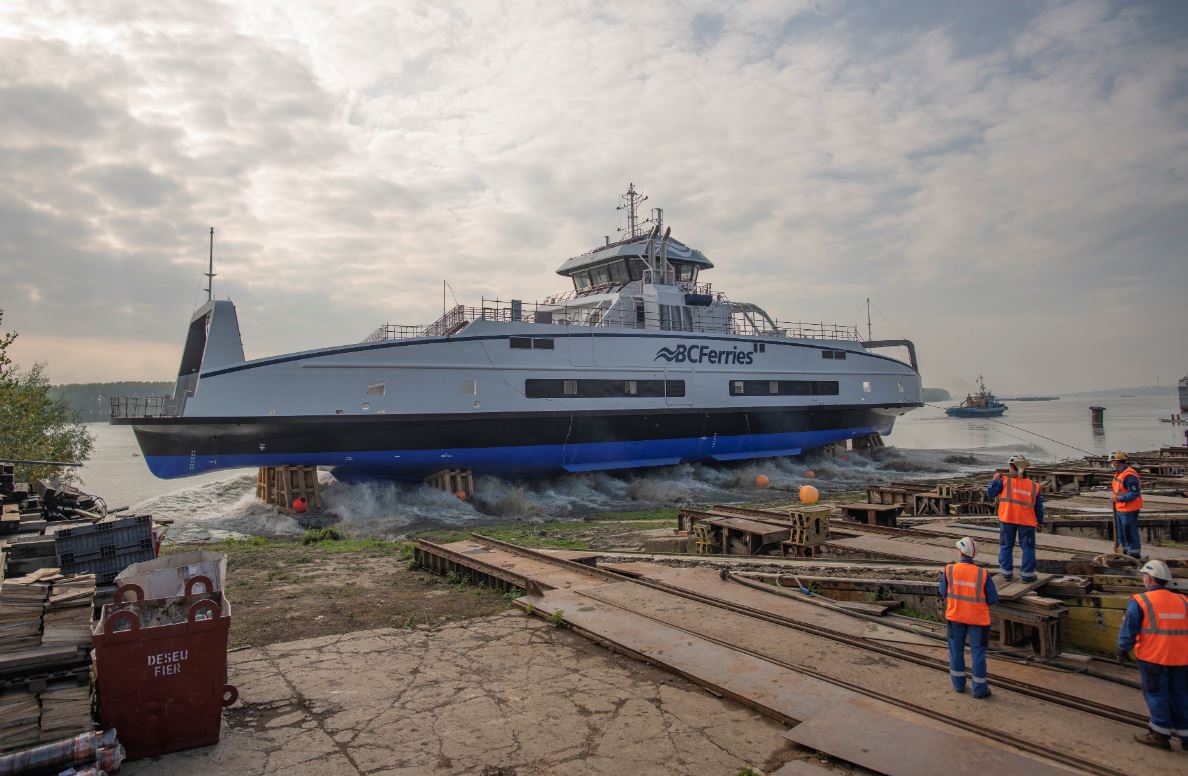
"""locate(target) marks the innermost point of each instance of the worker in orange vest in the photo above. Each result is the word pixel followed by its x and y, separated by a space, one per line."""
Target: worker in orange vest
pixel 968 593
pixel 1156 627
pixel 1020 515
pixel 1127 500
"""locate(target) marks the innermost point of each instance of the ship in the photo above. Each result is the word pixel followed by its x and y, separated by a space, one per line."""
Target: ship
pixel 982 404
pixel 639 363
pixel 1183 394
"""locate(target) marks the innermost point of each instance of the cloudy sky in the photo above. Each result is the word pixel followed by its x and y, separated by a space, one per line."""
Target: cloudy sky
pixel 1006 180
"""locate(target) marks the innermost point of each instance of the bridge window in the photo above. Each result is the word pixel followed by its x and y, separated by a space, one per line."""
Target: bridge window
pixel 840 355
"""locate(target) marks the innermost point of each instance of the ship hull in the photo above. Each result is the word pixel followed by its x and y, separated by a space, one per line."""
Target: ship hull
pixel 506 443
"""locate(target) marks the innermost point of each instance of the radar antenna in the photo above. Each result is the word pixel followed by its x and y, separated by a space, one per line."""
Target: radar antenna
pixel 631 202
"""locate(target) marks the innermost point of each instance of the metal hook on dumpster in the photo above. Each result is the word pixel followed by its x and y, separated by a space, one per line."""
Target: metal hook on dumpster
pixel 230 694
pixel 198 606
pixel 129 588
pixel 199 579
pixel 131 617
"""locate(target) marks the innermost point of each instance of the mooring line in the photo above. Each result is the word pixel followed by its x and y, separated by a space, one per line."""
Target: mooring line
pixel 1024 430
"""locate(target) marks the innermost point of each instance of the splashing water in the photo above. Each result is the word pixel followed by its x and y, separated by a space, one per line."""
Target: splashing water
pixel 385 509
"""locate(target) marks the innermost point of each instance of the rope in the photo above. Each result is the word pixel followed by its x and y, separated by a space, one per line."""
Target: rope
pixel 1025 431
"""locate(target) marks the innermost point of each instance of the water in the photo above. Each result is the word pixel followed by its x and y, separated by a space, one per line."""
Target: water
pixel 925 443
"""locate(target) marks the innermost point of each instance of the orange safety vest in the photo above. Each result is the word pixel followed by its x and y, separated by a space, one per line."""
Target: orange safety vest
pixel 1164 637
pixel 1126 506
pixel 1016 503
pixel 965 594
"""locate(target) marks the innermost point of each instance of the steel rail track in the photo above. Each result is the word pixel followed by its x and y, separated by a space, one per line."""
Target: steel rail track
pixel 1045 694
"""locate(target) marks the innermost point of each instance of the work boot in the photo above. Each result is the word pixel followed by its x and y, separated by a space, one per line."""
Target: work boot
pixel 1028 580
pixel 1151 738
pixel 959 689
pixel 983 694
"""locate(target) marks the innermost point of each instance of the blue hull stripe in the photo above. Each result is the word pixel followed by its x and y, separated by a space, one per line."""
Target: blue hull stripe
pixel 590 456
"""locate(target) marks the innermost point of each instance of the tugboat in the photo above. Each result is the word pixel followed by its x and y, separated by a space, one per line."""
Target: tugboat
pixel 982 404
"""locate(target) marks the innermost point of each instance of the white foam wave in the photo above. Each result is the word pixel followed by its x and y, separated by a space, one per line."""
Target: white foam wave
pixel 378 508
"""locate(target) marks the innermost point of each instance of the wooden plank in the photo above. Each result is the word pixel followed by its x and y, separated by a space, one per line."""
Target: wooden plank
pixel 896 742
pixel 1018 588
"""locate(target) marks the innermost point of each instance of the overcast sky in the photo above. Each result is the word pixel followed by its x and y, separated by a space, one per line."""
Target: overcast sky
pixel 1006 181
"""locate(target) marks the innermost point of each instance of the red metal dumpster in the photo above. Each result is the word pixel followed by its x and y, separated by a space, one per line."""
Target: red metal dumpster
pixel 162 669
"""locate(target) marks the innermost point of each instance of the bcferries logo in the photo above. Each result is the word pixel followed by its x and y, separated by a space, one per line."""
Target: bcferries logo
pixel 704 354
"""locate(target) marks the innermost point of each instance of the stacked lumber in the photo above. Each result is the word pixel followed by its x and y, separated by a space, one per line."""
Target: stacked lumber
pixel 45 641
pixel 20 717
pixel 22 604
pixel 67 618
pixel 65 708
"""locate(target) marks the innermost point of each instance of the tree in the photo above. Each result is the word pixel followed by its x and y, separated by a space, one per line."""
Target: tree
pixel 34 426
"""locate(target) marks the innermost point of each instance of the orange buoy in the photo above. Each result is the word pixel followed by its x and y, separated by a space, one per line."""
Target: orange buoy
pixel 461 494
pixel 809 474
pixel 299 505
pixel 808 494
pixel 762 481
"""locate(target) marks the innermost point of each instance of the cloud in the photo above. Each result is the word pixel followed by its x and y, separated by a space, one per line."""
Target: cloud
pixel 990 174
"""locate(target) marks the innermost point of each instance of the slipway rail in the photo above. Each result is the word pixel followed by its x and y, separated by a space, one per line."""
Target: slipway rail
pixel 692 622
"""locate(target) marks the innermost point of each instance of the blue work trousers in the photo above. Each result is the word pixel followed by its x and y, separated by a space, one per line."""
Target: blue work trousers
pixel 979 642
pixel 1165 689
pixel 1128 534
pixel 1007 533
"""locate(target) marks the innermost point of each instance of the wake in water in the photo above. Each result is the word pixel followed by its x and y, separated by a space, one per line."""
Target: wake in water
pixel 228 507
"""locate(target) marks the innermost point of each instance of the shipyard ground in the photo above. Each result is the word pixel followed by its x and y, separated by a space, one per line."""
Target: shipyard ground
pixel 351 658
pixel 504 694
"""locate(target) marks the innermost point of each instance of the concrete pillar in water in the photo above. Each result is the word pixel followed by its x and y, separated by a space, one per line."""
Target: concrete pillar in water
pixel 1097 417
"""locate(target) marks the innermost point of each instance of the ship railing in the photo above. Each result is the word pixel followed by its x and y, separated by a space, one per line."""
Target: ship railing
pixel 142 407
pixel 607 316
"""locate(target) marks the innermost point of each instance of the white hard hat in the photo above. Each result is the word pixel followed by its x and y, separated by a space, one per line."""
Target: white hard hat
pixel 969 548
pixel 1157 569
pixel 1018 462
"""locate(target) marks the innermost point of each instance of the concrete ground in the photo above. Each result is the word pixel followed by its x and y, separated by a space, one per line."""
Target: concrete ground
pixel 504 695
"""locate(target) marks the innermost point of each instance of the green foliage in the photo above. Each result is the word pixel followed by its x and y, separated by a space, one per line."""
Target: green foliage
pixel 316 535
pixel 747 771
pixel 557 618
pixel 407 551
pixel 512 593
pixel 33 425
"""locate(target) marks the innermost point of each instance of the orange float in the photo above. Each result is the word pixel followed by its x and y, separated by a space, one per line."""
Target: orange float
pixel 299 505
pixel 762 481
pixel 461 494
pixel 809 494
pixel 809 474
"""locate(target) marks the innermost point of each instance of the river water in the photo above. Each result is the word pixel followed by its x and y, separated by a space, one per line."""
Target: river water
pixel 925 443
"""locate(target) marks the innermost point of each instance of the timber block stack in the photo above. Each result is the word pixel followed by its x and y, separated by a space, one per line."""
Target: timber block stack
pixel 809 531
pixel 46 691
pixel 280 486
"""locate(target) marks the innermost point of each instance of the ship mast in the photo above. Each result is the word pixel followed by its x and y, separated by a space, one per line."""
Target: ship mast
pixel 210 273
pixel 631 202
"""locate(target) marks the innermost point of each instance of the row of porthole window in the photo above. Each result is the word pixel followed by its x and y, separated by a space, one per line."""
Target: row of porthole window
pixel 598 388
